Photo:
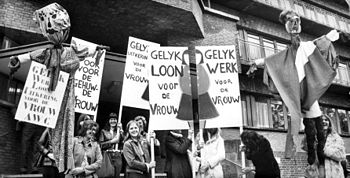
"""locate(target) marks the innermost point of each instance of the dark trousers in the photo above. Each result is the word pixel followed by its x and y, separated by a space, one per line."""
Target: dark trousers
pixel 116 159
pixel 313 130
pixel 136 175
pixel 29 145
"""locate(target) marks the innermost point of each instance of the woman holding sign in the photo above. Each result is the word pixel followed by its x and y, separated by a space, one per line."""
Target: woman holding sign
pixel 212 153
pixel 109 139
pixel 136 153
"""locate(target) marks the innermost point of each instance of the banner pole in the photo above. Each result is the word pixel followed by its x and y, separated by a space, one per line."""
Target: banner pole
pixel 201 140
pixel 194 93
pixel 194 149
pixel 242 152
pixel 153 170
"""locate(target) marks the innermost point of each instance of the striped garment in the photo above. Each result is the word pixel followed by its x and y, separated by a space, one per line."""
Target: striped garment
pixel 301 75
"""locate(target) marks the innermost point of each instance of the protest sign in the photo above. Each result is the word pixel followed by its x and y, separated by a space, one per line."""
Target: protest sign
pixel 37 105
pixel 167 69
pixel 218 86
pixel 87 84
pixel 135 82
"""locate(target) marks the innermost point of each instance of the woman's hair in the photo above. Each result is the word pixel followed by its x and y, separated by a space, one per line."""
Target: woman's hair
pixel 211 131
pixel 128 136
pixel 137 118
pixel 330 128
pixel 107 125
pixel 88 124
pixel 284 15
pixel 82 118
pixel 251 140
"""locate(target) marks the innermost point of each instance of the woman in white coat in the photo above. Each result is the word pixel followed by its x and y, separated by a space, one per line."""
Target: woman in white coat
pixel 334 150
pixel 212 153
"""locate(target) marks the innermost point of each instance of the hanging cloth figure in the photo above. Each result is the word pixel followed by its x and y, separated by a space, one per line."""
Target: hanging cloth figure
pixel 54 24
pixel 301 74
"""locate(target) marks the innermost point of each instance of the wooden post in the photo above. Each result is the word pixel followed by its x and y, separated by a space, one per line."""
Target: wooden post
pixel 153 170
pixel 242 152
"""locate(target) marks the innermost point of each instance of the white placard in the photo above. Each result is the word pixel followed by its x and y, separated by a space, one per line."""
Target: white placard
pixel 218 86
pixel 166 70
pixel 87 84
pixel 135 81
pixel 37 105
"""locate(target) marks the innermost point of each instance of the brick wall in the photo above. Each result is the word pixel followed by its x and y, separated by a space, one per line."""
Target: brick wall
pixel 9 142
pixel 292 168
pixel 18 14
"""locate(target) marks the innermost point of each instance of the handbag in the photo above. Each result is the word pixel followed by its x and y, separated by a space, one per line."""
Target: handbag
pixel 107 169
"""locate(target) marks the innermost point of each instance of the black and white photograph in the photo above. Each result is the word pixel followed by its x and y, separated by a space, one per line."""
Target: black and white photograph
pixel 175 89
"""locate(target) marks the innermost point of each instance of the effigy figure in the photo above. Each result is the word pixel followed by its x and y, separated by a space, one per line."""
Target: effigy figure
pixel 301 74
pixel 54 24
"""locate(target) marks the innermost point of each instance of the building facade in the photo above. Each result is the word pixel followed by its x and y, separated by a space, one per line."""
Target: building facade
pixel 251 25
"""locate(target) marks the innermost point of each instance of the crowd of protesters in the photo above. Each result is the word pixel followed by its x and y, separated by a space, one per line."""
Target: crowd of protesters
pixel 110 151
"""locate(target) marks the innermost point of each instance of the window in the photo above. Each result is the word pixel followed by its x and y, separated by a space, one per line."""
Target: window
pixel 268 47
pixel 255 46
pixel 343 74
pixel 343 121
pixel 331 113
pixel 244 110
pixel 10 92
pixel 340 119
pixel 281 46
pixel 277 112
pixel 7 43
pixel 264 112
pixel 261 113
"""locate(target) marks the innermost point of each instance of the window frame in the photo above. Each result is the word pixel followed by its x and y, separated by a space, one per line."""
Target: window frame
pixel 253 121
pixel 244 44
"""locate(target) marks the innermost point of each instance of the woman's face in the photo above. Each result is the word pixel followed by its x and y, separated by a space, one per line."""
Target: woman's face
pixel 134 130
pixel 325 123
pixel 140 124
pixel 90 133
pixel 113 122
pixel 86 118
pixel 293 24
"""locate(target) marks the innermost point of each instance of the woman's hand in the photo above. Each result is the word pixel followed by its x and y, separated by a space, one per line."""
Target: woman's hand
pixel 246 170
pixel 152 135
pixel 77 171
pixel 204 166
pixel 151 165
pixel 120 126
pixel 190 133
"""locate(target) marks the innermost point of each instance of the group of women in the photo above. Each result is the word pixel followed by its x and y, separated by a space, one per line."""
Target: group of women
pixel 259 151
pixel 88 151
